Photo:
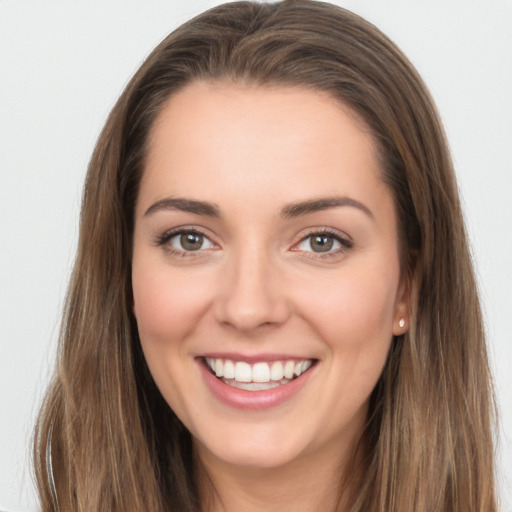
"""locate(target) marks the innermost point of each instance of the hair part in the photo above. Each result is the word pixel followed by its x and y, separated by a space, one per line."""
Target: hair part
pixel 115 443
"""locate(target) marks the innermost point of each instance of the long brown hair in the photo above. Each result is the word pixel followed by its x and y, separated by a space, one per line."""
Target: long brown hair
pixel 106 439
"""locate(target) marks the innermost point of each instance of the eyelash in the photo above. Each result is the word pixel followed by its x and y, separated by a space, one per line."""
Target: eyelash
pixel 164 238
pixel 345 242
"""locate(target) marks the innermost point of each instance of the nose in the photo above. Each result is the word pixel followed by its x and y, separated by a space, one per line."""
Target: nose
pixel 251 294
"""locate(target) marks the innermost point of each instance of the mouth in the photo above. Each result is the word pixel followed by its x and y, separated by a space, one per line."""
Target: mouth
pixel 258 376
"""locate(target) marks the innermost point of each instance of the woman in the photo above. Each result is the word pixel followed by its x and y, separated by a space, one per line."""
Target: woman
pixel 273 305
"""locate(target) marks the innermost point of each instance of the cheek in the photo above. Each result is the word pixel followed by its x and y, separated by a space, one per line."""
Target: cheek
pixel 354 320
pixel 356 313
pixel 166 304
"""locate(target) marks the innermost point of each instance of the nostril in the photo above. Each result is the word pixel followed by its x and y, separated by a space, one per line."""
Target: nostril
pixel 249 296
pixel 248 315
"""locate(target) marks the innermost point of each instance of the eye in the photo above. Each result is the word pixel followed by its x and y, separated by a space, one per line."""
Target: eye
pixel 324 243
pixel 185 241
pixel 190 241
pixel 319 243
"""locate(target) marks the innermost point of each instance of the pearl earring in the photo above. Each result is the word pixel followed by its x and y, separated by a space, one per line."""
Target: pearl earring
pixel 401 322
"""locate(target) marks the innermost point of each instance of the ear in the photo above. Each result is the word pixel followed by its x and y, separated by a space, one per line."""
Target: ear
pixel 402 313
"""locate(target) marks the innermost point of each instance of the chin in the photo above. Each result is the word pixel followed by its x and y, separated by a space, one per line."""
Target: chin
pixel 262 450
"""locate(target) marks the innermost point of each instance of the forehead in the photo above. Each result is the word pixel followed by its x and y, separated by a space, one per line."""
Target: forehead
pixel 258 142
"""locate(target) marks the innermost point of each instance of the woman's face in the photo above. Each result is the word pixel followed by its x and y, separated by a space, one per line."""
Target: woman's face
pixel 265 247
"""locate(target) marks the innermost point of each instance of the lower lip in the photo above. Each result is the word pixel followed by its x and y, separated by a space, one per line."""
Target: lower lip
pixel 252 400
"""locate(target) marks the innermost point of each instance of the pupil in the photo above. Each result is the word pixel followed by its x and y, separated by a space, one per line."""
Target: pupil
pixel 321 243
pixel 191 241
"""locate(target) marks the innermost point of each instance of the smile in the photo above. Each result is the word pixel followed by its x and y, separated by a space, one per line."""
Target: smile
pixel 255 384
pixel 258 376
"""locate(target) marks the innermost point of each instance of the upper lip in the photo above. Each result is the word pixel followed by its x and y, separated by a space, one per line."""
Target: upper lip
pixel 254 358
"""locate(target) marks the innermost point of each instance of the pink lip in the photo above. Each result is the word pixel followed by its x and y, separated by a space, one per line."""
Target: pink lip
pixel 252 400
pixel 256 358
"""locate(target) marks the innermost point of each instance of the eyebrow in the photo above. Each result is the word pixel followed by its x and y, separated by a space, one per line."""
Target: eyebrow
pixel 293 210
pixel 184 205
pixel 289 211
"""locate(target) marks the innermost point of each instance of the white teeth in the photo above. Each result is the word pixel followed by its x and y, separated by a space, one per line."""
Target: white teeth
pixel 254 386
pixel 265 375
pixel 288 369
pixel 305 365
pixel 243 372
pixel 277 371
pixel 219 367
pixel 261 372
pixel 229 369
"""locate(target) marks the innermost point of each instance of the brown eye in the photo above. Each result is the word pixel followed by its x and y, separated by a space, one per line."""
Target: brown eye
pixel 321 243
pixel 189 241
pixel 324 243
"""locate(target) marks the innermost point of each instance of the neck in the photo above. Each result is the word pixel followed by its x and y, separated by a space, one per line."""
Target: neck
pixel 311 483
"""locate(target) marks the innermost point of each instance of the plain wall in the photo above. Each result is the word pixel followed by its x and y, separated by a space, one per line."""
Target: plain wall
pixel 62 66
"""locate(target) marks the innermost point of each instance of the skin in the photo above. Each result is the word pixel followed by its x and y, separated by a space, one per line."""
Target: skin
pixel 256 286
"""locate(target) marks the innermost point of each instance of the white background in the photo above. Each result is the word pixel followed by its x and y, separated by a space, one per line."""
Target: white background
pixel 62 66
